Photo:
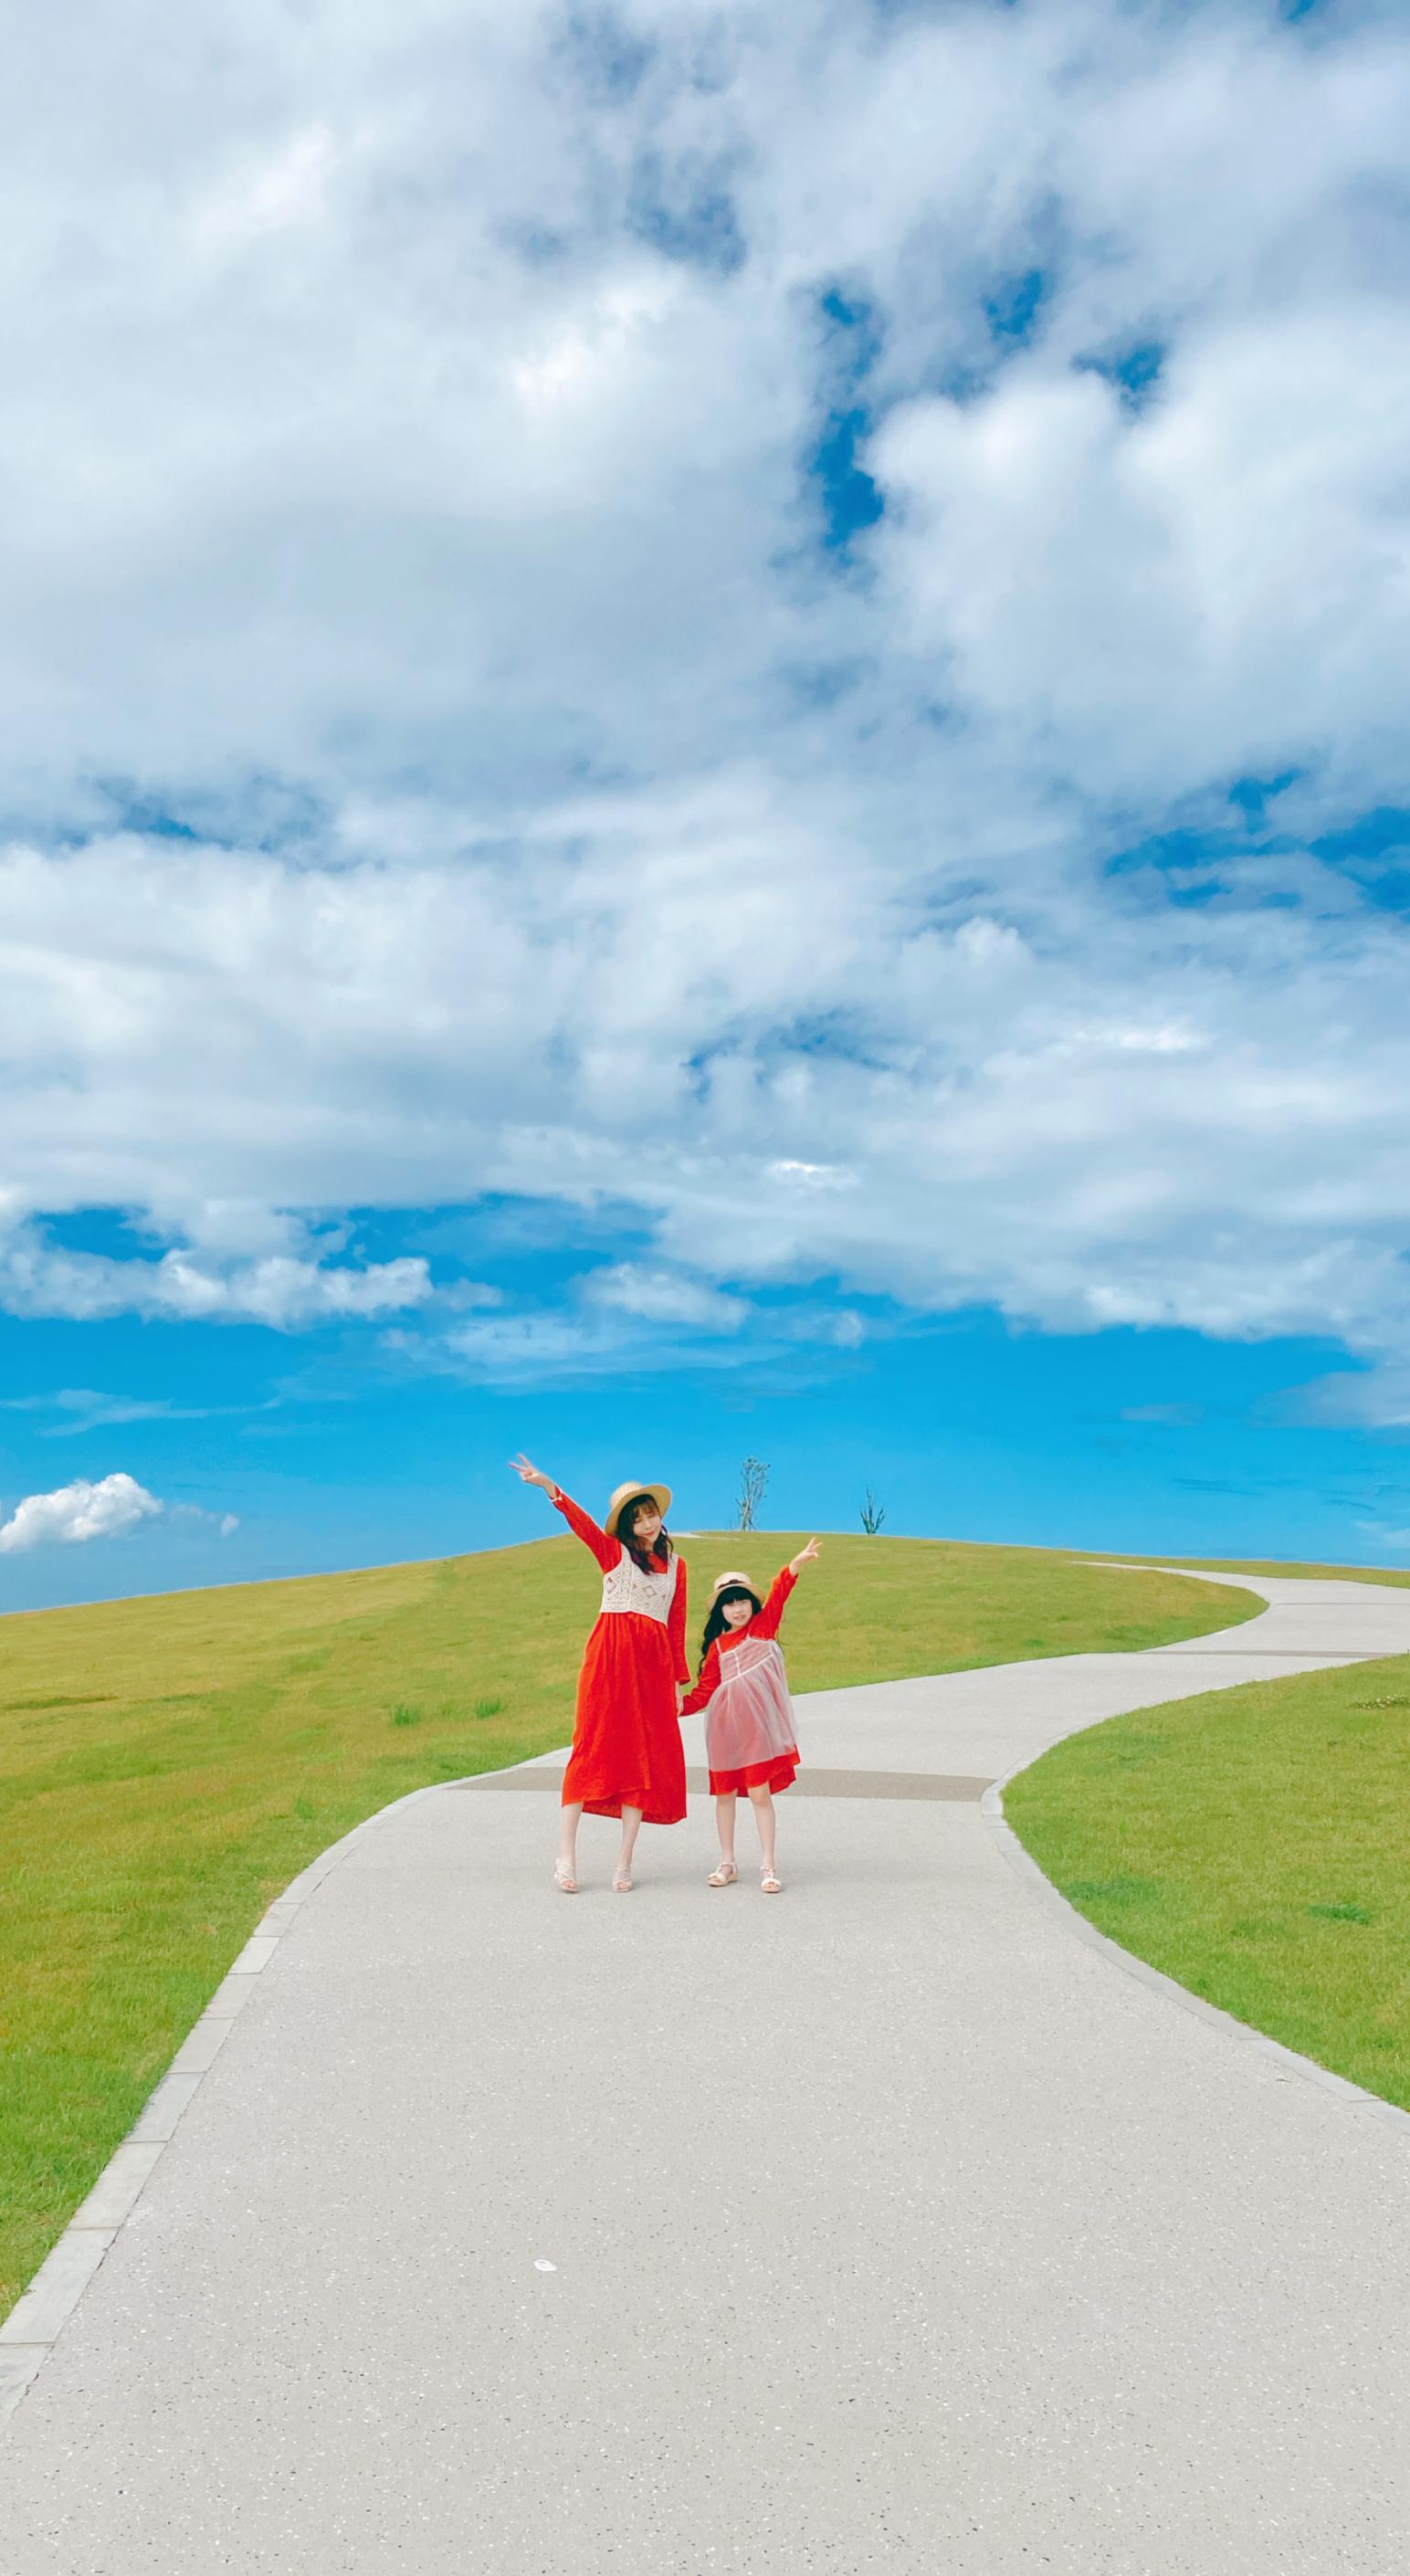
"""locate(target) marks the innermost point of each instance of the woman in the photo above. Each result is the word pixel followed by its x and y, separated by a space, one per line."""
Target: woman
pixel 627 1759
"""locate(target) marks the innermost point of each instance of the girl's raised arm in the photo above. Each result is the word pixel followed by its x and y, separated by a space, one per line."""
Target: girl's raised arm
pixel 767 1622
pixel 608 1551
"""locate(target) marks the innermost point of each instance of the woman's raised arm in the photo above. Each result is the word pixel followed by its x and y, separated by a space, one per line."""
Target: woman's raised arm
pixel 529 1474
pixel 608 1551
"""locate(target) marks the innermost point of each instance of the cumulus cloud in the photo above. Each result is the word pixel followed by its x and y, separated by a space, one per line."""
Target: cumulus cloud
pixel 110 1508
pixel 78 1512
pixel 457 766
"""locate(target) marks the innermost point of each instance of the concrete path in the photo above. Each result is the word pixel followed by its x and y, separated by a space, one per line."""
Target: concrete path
pixel 889 2224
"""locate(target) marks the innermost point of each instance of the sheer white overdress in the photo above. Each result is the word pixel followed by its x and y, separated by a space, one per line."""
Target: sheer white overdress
pixel 750 1717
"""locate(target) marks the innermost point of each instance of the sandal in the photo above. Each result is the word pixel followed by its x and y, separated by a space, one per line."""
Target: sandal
pixel 563 1879
pixel 724 1876
pixel 770 1884
pixel 621 1881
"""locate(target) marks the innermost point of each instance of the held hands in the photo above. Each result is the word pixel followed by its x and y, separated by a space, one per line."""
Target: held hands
pixel 805 1555
pixel 528 1474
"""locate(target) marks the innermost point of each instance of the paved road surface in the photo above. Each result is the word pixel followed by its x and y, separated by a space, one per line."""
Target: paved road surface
pixel 892 2225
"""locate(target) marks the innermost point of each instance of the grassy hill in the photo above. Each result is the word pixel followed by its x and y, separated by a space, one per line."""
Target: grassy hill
pixel 1267 1565
pixel 167 1765
pixel 1255 1845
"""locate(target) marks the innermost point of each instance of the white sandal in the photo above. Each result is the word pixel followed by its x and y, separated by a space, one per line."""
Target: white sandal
pixel 770 1884
pixel 621 1881
pixel 563 1879
pixel 724 1876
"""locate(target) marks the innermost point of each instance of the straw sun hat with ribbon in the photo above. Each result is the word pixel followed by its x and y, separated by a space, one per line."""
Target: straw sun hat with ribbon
pixel 735 1582
pixel 660 1495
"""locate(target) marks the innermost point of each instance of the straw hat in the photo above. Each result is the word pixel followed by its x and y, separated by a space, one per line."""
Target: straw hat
pixel 735 1582
pixel 660 1495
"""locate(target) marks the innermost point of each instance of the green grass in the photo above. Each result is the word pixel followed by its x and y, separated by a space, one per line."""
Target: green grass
pixel 1266 1565
pixel 167 1765
pixel 1254 1844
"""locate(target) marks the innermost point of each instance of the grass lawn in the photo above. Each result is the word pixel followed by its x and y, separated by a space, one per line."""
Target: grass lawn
pixel 1266 1565
pixel 1255 1844
pixel 168 1765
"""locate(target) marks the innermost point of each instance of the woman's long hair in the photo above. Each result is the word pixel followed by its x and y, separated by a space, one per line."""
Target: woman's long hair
pixel 650 1560
pixel 716 1624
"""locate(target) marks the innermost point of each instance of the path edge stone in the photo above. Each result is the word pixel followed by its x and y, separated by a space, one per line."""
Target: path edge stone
pixel 1353 2097
pixel 44 2307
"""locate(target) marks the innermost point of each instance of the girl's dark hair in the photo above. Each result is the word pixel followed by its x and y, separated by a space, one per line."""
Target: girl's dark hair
pixel 624 1527
pixel 715 1624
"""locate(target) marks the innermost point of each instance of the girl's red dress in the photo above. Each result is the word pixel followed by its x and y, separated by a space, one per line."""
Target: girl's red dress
pixel 627 1749
pixel 783 1771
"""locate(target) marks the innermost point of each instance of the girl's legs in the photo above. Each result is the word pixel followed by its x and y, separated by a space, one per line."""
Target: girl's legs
pixel 631 1827
pixel 725 1804
pixel 565 1868
pixel 762 1802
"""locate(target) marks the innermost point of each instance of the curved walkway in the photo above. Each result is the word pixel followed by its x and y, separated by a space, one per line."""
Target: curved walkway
pixel 887 2225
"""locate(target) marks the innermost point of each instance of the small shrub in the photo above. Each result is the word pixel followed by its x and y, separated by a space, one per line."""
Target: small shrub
pixel 405 1714
pixel 488 1707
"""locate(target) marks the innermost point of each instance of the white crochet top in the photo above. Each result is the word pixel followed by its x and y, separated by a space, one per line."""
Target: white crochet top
pixel 649 1596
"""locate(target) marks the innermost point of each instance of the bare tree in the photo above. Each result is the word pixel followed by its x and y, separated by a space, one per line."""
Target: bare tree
pixel 873 1513
pixel 753 1481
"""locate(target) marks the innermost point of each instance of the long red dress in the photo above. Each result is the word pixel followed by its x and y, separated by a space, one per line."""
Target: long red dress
pixel 627 1749
pixel 780 1770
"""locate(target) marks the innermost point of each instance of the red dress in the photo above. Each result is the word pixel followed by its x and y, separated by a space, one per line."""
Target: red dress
pixel 780 1770
pixel 627 1749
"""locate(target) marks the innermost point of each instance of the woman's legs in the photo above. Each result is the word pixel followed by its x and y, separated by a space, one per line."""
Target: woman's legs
pixel 566 1865
pixel 725 1805
pixel 631 1827
pixel 762 1802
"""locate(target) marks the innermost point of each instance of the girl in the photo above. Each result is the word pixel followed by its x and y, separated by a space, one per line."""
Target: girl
pixel 627 1758
pixel 750 1741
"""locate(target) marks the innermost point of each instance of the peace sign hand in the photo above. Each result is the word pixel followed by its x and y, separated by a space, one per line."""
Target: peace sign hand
pixel 804 1555
pixel 529 1474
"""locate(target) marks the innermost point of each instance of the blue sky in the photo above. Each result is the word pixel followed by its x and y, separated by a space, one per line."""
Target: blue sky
pixel 731 777
pixel 331 1453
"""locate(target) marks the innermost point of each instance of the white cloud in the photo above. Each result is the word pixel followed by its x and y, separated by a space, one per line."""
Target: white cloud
pixel 1396 1539
pixel 557 820
pixel 109 1508
pixel 218 1524
pixel 544 1347
pixel 78 1512
pixel 36 1279
pixel 664 1297
pixel 1361 1399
